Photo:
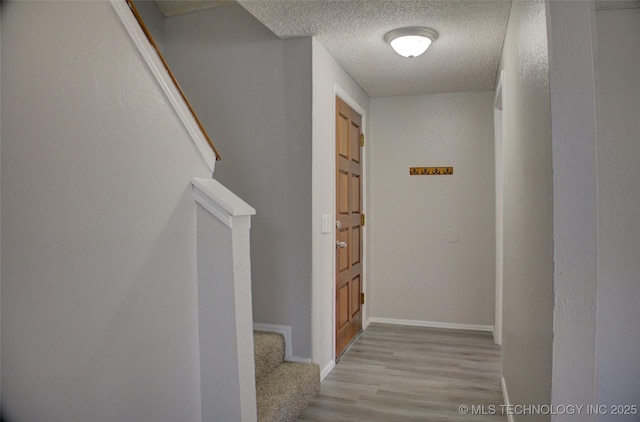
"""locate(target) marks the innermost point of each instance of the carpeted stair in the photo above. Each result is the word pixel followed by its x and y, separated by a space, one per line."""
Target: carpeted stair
pixel 283 389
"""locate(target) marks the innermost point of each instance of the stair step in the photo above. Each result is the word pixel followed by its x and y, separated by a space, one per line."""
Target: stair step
pixel 286 391
pixel 268 351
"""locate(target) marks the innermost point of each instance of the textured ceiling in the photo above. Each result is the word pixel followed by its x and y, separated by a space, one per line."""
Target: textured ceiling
pixel 617 4
pixel 465 57
pixel 180 7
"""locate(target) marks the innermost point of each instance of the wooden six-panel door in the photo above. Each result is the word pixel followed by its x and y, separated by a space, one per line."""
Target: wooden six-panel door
pixel 348 226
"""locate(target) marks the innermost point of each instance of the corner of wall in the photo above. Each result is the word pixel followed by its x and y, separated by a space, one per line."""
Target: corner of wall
pixel 327 75
pixel 528 271
pixel 572 97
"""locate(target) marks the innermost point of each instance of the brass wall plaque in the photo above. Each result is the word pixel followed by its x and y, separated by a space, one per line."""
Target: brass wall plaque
pixel 428 171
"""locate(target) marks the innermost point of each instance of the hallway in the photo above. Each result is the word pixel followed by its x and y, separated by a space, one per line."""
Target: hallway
pixel 406 373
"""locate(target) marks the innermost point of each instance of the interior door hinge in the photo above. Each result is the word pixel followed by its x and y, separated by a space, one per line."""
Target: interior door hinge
pixel 362 139
pixel 362 298
pixel 362 219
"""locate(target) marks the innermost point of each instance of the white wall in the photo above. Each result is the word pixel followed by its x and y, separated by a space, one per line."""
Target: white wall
pixel 99 300
pixel 596 206
pixel 252 91
pixel 528 212
pixel 574 203
pixel 618 301
pixel 328 78
pixel 432 256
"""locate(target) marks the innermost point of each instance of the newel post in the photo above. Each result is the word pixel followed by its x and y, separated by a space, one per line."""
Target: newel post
pixel 227 371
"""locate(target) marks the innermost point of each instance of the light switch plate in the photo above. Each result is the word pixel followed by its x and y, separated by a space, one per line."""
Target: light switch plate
pixel 326 224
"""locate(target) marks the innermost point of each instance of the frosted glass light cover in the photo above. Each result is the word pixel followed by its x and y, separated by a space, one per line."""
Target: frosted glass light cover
pixel 411 42
pixel 411 45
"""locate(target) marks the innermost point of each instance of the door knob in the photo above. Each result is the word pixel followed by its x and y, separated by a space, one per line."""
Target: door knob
pixel 340 245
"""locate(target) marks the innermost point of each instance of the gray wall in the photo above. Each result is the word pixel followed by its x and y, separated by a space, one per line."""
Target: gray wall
pixel 437 231
pixel 528 231
pixel 618 301
pixel 252 92
pixel 153 20
pixel 99 298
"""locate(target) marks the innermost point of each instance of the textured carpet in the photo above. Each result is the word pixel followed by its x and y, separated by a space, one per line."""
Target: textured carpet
pixel 283 389
pixel 268 350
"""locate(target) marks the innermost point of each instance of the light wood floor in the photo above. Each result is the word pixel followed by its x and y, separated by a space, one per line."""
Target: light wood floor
pixel 402 373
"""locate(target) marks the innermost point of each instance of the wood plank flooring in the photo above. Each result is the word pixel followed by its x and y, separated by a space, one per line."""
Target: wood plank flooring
pixel 403 373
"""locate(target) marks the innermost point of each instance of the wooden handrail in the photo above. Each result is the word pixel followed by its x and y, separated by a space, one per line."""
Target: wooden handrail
pixel 135 12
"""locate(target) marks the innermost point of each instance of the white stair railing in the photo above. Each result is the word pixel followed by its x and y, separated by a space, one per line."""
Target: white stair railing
pixel 227 370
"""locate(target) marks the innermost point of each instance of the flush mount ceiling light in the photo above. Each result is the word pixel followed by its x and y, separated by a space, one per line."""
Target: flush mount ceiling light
pixel 411 42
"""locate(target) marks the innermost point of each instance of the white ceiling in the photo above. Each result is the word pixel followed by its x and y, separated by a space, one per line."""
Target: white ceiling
pixel 465 57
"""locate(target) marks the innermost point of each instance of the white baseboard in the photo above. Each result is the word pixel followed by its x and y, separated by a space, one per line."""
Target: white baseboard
pixel 365 323
pixel 326 370
pixel 431 324
pixel 505 397
pixel 298 359
pixel 285 330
